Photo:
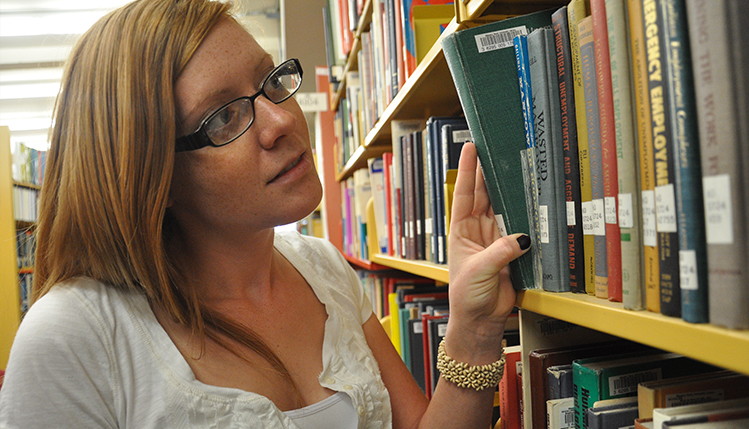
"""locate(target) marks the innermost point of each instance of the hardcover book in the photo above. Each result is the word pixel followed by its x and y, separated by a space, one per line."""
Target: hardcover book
pixel 576 260
pixel 482 64
pixel 720 58
pixel 549 160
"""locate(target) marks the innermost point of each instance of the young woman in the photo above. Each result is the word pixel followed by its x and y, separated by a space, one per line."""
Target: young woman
pixel 164 298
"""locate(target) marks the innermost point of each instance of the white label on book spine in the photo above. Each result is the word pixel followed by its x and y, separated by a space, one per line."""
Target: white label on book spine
pixel 688 269
pixel 428 225
pixel 665 208
pixel 626 213
pixel 718 209
pixel 442 329
pixel 498 39
pixel 543 223
pixel 599 225
pixel 610 207
pixel 649 235
pixel 462 136
pixel 571 213
pixel 587 209
pixel 418 328
pixel 627 383
pixel 501 225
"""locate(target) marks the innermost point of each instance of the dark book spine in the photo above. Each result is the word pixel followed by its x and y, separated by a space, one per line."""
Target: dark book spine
pixel 573 198
pixel 665 169
pixel 689 200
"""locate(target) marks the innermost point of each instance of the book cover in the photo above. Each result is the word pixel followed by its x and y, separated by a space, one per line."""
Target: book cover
pixel 416 341
pixel 576 11
pixel 691 389
pixel 409 40
pixel 387 169
pixel 686 149
pixel 573 201
pixel 594 210
pixel 482 63
pixel 561 413
pixel 547 127
pixel 595 379
pixel 611 417
pixel 530 169
pixel 720 73
pixel 662 415
pixel 436 328
pixel 560 381
pixel 628 202
pixel 509 399
pixel 419 197
pixel 664 160
pixel 646 169
pixel 607 132
pixel 377 183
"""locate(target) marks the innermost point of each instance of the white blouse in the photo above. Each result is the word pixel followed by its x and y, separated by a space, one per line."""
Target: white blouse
pixel 88 355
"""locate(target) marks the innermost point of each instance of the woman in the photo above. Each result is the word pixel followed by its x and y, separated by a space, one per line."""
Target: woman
pixel 163 296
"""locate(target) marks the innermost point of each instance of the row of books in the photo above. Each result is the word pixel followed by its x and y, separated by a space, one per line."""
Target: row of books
pixel 25 247
pixel 25 281
pixel 28 164
pixel 25 201
pixel 598 126
pixel 400 34
pixel 611 384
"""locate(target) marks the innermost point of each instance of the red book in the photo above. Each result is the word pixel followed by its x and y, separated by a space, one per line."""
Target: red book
pixel 509 396
pixel 608 146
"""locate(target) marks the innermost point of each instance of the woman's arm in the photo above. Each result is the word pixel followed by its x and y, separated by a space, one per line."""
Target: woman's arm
pixel 481 299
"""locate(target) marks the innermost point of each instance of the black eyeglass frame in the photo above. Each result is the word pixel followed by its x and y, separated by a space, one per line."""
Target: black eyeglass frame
pixel 200 139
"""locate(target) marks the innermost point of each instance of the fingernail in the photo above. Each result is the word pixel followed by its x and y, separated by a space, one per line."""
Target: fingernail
pixel 524 241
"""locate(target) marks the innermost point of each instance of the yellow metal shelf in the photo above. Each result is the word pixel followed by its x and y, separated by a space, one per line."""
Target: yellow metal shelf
pixel 708 343
pixel 420 268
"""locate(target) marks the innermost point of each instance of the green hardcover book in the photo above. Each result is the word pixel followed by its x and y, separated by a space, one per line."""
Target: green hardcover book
pixel 596 379
pixel 483 67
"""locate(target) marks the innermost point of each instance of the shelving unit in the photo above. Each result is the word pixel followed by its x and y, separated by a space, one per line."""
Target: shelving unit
pixel 429 91
pixel 10 309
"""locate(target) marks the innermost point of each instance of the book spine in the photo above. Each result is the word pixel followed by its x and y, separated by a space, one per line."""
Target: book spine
pixel 720 152
pixel 537 219
pixel 629 196
pixel 575 251
pixel 576 11
pixel 585 386
pixel 664 162
pixel 549 164
pixel 646 169
pixel 608 150
pixel 685 147
pixel 594 209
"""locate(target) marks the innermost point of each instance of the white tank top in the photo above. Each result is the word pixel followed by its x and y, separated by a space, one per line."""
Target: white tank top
pixel 334 412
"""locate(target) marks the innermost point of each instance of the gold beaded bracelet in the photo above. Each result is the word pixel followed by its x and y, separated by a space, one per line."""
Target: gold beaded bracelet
pixel 477 377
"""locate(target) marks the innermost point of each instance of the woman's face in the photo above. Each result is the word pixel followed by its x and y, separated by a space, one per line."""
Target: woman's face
pixel 264 178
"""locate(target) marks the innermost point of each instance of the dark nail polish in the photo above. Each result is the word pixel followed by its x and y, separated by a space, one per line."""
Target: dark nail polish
pixel 524 241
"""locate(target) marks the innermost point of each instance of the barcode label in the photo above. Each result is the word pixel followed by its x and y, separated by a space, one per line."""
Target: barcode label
pixel 568 418
pixel 462 136
pixel 498 39
pixel 627 383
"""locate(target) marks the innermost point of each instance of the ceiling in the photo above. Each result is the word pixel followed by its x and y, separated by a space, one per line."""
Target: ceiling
pixel 37 35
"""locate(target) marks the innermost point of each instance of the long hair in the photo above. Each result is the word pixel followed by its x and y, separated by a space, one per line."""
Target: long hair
pixel 103 208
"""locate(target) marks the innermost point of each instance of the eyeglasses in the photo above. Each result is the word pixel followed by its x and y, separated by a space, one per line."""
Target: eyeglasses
pixel 232 119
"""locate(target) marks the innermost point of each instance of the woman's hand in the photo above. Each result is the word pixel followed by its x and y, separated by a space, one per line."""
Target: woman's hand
pixel 481 294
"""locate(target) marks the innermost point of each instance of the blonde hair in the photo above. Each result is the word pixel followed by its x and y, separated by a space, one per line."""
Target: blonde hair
pixel 109 167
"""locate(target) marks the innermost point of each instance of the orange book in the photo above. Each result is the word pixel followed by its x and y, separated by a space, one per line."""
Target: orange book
pixel 509 396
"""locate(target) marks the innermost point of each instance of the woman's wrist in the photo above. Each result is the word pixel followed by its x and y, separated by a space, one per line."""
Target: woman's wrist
pixel 474 344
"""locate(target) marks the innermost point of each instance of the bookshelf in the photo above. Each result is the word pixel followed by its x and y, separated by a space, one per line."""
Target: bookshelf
pixel 10 310
pixel 429 91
